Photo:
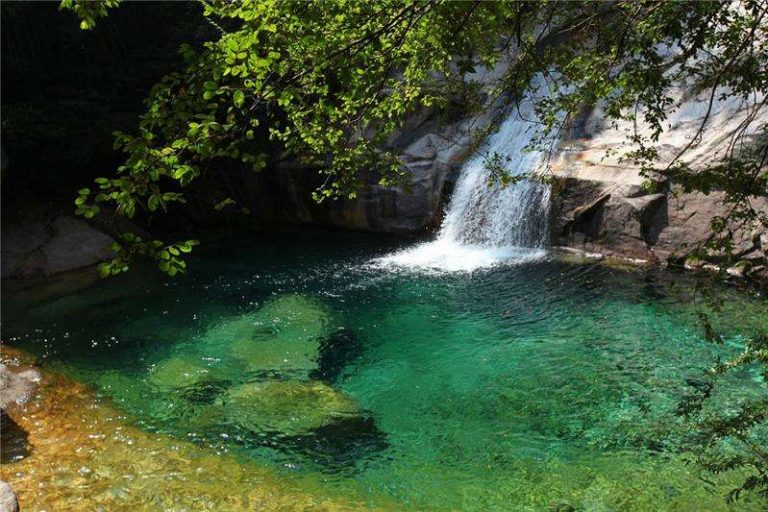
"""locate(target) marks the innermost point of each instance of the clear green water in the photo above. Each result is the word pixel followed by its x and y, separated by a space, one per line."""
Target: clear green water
pixel 515 388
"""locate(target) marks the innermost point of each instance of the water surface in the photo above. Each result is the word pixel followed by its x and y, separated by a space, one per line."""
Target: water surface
pixel 518 387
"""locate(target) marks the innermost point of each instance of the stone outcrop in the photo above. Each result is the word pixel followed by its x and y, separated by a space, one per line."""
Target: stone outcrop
pixel 17 387
pixel 47 248
pixel 602 205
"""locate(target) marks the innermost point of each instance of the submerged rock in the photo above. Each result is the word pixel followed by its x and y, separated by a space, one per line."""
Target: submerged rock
pixel 178 371
pixel 205 392
pixel 284 335
pixel 287 407
pixel 342 443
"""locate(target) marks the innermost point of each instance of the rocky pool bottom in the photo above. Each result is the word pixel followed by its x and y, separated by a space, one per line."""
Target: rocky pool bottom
pixel 290 373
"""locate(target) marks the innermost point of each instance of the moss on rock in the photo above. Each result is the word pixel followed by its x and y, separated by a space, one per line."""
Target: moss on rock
pixel 287 407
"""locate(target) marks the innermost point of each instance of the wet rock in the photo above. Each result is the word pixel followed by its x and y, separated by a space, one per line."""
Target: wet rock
pixel 286 407
pixel 8 501
pixel 13 439
pixel 283 336
pixel 16 388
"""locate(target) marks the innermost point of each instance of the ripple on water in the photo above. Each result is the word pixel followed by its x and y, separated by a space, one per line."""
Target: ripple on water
pixel 534 385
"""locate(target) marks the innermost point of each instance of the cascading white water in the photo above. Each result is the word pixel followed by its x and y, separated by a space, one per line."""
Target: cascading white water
pixel 487 223
pixel 484 212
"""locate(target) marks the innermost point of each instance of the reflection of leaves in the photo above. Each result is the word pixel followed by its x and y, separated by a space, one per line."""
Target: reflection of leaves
pixel 709 332
pixel 730 438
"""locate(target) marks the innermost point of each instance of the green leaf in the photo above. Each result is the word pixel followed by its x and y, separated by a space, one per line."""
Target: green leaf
pixel 104 269
pixel 239 98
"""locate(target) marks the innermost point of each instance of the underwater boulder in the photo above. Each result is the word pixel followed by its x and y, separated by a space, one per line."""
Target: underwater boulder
pixel 178 371
pixel 281 337
pixel 287 407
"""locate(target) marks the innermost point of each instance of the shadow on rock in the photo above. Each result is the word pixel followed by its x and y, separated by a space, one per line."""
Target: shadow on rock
pixel 14 440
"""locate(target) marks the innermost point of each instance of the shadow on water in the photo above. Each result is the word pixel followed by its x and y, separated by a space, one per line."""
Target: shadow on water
pixel 13 439
pixel 340 447
pixel 337 351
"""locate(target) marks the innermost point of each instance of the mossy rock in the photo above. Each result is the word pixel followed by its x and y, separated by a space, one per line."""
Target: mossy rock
pixel 282 336
pixel 178 371
pixel 287 407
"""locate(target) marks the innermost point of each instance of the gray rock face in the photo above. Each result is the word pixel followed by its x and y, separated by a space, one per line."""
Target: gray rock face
pixel 600 203
pixel 8 501
pixel 429 161
pixel 600 216
pixel 431 146
pixel 64 244
pixel 431 152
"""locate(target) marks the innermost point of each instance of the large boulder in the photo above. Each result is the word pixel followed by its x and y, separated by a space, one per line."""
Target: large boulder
pixel 282 338
pixel 47 248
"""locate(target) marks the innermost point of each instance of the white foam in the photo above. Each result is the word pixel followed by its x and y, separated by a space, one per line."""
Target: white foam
pixel 443 255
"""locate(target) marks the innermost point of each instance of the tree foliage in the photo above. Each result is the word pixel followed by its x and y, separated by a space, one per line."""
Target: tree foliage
pixel 89 10
pixel 328 82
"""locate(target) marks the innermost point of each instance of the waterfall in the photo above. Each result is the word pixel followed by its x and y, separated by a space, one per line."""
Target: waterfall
pixel 484 212
pixel 487 223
